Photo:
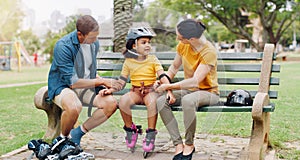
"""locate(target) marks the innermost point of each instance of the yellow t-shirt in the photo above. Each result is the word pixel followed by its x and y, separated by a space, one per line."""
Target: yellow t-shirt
pixel 141 70
pixel 191 60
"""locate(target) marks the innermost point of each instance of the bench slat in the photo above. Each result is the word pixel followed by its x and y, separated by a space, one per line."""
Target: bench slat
pixel 268 108
pixel 171 56
pixel 221 67
pixel 230 81
pixel 246 81
pixel 244 68
pixel 223 93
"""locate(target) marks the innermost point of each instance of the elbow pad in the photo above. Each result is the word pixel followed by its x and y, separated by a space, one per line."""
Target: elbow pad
pixel 123 79
pixel 165 75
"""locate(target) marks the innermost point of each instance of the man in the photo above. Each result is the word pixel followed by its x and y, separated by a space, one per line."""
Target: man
pixel 200 87
pixel 73 81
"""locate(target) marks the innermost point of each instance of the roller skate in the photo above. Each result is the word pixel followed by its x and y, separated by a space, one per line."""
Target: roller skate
pixel 82 156
pixel 64 147
pixel 132 136
pixel 148 142
pixel 40 148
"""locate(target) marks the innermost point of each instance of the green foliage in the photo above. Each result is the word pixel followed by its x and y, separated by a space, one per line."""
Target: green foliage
pixel 276 16
pixel 10 19
pixel 138 3
pixel 162 21
pixel 219 33
pixel 30 41
pixel 52 38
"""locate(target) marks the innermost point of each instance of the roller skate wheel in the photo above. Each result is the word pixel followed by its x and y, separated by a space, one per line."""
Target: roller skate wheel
pixel 132 150
pixel 145 154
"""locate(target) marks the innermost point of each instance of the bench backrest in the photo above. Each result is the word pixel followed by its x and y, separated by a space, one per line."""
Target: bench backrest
pixel 250 71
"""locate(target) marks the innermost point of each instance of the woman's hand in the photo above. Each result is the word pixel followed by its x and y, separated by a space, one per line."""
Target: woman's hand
pixel 162 88
pixel 170 97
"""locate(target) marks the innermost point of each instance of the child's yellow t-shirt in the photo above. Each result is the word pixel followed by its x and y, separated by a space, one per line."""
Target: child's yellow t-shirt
pixel 141 70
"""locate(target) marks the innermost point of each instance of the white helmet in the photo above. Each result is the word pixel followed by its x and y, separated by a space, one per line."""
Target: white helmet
pixel 135 33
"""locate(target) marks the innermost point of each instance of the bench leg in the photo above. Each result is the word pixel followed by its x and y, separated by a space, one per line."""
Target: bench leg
pixel 259 137
pixel 53 112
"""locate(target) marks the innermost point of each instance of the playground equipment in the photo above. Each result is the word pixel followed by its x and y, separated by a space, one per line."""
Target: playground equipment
pixel 6 54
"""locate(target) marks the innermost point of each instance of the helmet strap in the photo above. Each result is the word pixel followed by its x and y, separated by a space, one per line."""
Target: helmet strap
pixel 136 44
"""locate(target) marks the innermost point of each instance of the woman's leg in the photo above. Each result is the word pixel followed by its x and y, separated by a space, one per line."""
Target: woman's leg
pixel 189 103
pixel 169 119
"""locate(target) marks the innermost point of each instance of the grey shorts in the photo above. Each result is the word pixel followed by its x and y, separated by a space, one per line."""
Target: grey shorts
pixel 85 96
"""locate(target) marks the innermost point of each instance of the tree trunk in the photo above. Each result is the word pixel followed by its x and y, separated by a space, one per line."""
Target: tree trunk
pixel 122 22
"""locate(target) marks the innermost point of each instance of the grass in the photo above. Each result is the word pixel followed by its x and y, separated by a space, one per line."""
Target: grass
pixel 26 74
pixel 21 121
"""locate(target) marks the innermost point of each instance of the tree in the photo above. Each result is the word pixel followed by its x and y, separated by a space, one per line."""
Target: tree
pixel 275 16
pixel 122 22
pixel 30 41
pixel 10 20
pixel 162 21
pixel 52 38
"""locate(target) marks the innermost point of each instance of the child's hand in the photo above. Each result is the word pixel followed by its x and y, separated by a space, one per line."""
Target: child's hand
pixel 104 92
pixel 170 97
pixel 156 84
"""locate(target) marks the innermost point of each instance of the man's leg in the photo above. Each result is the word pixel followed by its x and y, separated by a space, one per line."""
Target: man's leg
pixel 106 106
pixel 71 106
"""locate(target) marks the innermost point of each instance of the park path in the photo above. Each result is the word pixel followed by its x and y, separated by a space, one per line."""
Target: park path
pixel 107 146
pixel 21 84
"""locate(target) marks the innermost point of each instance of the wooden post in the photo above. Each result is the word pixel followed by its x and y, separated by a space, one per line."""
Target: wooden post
pixel 261 120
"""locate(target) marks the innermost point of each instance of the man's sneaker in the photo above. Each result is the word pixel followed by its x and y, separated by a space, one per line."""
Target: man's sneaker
pixel 64 147
pixel 40 148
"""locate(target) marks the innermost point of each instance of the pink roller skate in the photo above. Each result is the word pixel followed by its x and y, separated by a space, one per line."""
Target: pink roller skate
pixel 148 142
pixel 132 136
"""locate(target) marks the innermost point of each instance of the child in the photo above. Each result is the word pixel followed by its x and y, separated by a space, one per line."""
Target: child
pixel 142 69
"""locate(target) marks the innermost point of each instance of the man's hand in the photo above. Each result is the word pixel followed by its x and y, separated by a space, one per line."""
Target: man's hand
pixel 107 82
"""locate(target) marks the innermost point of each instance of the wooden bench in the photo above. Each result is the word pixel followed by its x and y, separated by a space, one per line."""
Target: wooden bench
pixel 250 71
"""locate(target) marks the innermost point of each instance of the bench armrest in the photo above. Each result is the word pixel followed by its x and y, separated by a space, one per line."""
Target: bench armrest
pixel 260 100
pixel 39 98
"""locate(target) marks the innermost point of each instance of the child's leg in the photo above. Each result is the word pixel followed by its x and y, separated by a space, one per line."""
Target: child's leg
pixel 150 102
pixel 126 101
